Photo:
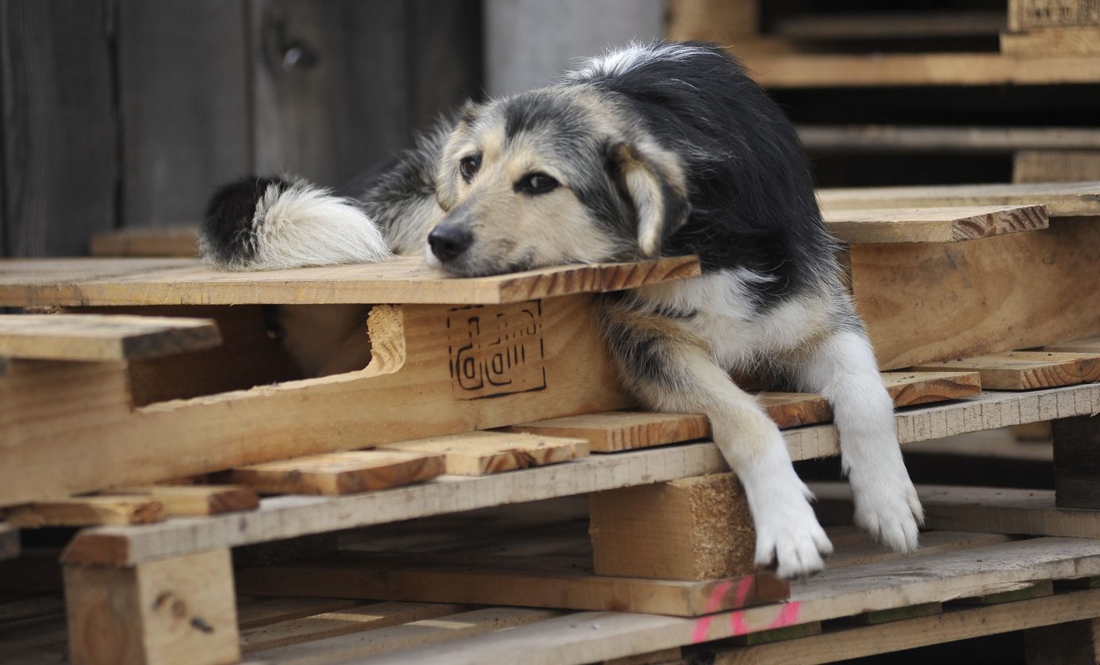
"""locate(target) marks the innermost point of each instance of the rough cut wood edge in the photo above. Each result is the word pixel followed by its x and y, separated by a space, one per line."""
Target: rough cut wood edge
pixel 194 500
pixel 1051 42
pixel 87 511
pixel 857 642
pixel 1060 199
pixel 289 516
pixel 9 541
pixel 482 453
pixel 1027 370
pixel 103 337
pixel 179 242
pixel 1055 165
pixel 894 138
pixel 988 510
pixel 365 576
pixel 938 224
pixel 595 636
pixel 919 69
pixel 102 282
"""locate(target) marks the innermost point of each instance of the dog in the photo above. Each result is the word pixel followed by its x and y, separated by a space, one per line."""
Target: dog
pixel 659 149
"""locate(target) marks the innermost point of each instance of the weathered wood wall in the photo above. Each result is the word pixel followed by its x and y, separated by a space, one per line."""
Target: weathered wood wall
pixel 128 112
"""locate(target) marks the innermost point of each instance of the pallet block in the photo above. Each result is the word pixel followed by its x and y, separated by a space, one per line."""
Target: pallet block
pixel 93 337
pixel 1077 462
pixel 166 612
pixel 687 529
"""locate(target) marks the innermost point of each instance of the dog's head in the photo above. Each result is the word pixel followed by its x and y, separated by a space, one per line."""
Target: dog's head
pixel 554 176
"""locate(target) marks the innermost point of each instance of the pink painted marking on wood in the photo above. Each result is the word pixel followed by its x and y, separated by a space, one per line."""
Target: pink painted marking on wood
pixel 702 626
pixel 787 616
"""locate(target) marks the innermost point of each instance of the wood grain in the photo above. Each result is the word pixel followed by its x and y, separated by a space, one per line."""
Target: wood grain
pixel 913 388
pixel 917 69
pixel 286 517
pixel 1088 345
pixel 360 575
pixel 481 453
pixel 982 301
pixel 194 499
pixel 175 612
pixel 1026 370
pixel 687 529
pixel 96 337
pixel 339 473
pixel 87 511
pixel 623 430
pixel 1060 199
pixel 176 242
pixel 1055 165
pixel 1026 14
pixel 939 224
pixel 1051 42
pixel 60 132
pixel 98 282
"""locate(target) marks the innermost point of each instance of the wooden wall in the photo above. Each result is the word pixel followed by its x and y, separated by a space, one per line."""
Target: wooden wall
pixel 124 113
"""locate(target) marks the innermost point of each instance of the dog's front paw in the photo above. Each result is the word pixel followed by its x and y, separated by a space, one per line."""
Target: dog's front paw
pixel 888 509
pixel 789 537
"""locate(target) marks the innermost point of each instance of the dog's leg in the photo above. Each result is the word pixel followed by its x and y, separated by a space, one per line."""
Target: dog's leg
pixel 670 369
pixel 842 367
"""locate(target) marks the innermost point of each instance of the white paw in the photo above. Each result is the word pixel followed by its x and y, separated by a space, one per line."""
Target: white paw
pixel 887 507
pixel 788 535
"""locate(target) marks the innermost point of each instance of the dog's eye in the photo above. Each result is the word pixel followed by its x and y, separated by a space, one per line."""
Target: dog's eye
pixel 536 183
pixel 468 166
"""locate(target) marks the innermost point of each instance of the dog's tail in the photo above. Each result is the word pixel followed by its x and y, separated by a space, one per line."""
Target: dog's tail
pixel 273 223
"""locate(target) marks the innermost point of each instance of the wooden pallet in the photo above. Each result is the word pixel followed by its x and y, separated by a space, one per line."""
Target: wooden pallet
pixel 1041 42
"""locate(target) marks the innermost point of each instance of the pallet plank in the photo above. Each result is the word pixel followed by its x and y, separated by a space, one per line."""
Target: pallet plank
pixel 176 242
pixel 919 138
pixel 339 473
pixel 98 282
pixel 1052 42
pixel 382 578
pixel 936 224
pixel 87 511
pixel 99 337
pixel 989 510
pixel 1027 370
pixel 832 594
pixel 481 453
pixel 286 517
pixel 1060 199
pixel 1089 345
pixel 194 499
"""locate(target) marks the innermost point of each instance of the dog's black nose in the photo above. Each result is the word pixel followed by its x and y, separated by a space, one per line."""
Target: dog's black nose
pixel 448 241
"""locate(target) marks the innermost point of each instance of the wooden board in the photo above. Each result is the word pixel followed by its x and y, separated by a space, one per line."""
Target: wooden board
pixel 87 511
pixel 592 637
pixel 1060 199
pixel 172 612
pixel 359 575
pixel 988 510
pixel 917 69
pixel 178 242
pixel 919 138
pixel 623 430
pixel 339 473
pixel 857 642
pixel 1051 42
pixel 101 337
pixel 97 282
pixel 630 430
pixel 195 499
pixel 60 126
pixel 889 25
pixel 481 453
pixel 174 153
pixel 1027 14
pixel 1088 345
pixel 1027 370
pixel 286 517
pixel 410 390
pixel 976 294
pixel 946 224
pixel 1055 165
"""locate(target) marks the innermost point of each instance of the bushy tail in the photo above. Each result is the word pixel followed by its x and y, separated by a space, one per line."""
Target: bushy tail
pixel 272 223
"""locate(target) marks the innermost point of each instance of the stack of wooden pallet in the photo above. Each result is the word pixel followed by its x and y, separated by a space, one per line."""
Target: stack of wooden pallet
pixel 151 409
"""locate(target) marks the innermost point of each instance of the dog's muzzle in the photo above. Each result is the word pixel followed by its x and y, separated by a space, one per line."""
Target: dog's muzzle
pixel 449 241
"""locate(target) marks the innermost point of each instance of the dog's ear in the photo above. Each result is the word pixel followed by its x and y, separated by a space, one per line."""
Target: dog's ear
pixel 446 191
pixel 653 179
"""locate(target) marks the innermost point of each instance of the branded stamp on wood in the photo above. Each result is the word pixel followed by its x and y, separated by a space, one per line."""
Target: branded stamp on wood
pixel 496 349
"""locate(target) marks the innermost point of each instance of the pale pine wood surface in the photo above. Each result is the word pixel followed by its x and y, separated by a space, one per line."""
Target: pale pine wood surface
pixel 288 516
pixel 1060 199
pixel 937 224
pixel 481 453
pixel 102 337
pixel 99 282
pixel 1027 370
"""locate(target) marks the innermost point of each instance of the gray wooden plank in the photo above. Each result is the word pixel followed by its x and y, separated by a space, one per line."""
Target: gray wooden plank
pixel 183 103
pixel 60 134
